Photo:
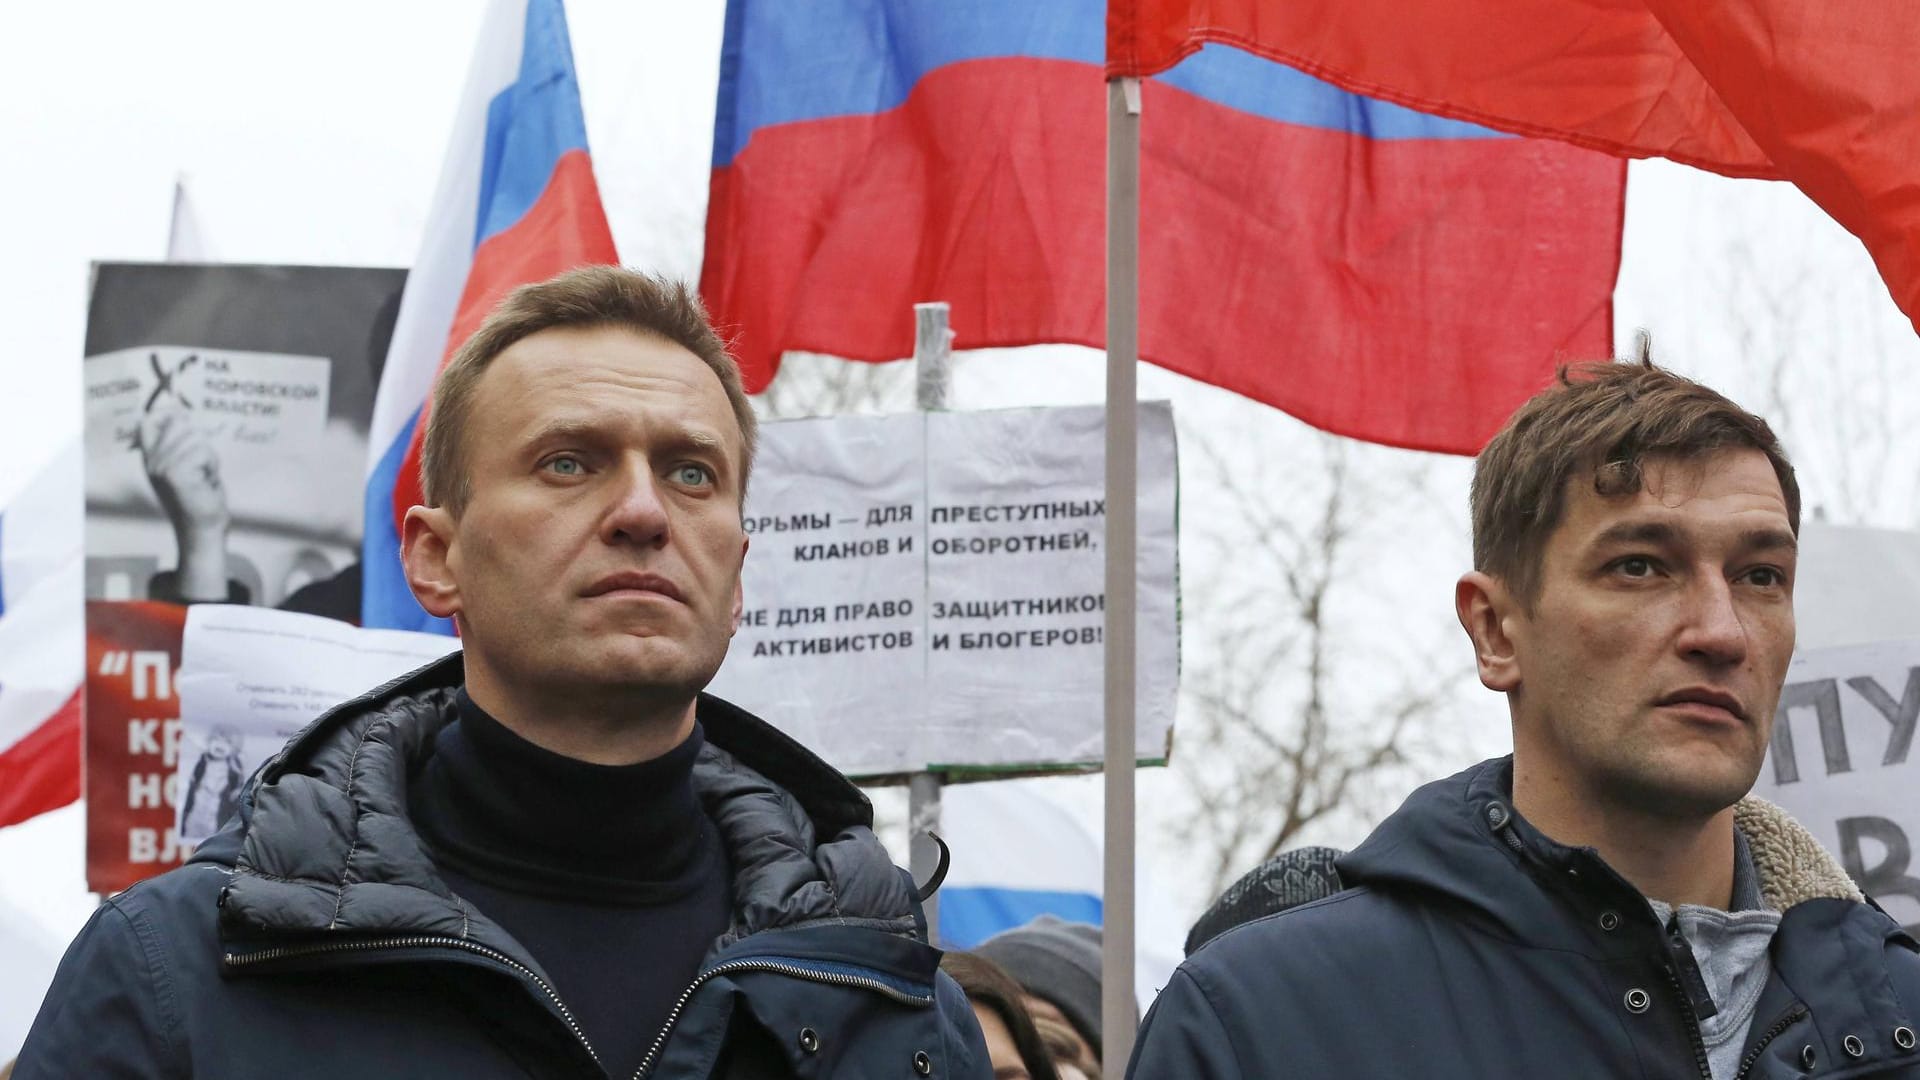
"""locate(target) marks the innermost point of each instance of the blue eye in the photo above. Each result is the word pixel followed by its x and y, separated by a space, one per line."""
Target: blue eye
pixel 692 475
pixel 567 466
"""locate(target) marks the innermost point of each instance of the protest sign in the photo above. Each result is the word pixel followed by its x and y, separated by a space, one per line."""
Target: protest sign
pixel 251 678
pixel 226 413
pixel 926 591
pixel 831 643
pixel 132 738
pixel 1842 762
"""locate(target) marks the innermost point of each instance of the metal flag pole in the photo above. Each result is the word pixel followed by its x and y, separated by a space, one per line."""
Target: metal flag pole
pixel 933 375
pixel 1117 1008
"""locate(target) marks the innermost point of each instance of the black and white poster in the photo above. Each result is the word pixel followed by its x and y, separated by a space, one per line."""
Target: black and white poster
pixel 227 410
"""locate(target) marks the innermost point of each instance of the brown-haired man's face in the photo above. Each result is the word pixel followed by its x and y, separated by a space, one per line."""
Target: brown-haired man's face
pixel 601 546
pixel 1649 666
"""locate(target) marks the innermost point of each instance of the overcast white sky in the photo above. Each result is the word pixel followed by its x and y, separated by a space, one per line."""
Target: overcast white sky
pixel 313 133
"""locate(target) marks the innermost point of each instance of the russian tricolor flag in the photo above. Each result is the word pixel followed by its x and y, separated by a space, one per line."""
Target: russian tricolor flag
pixel 1377 272
pixel 517 203
pixel 1019 854
pixel 42 641
pixel 1016 856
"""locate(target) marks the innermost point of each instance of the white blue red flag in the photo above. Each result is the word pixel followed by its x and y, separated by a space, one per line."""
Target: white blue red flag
pixel 517 203
pixel 1377 272
pixel 42 641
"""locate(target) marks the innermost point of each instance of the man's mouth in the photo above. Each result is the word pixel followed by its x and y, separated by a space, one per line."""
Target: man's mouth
pixel 1706 700
pixel 634 581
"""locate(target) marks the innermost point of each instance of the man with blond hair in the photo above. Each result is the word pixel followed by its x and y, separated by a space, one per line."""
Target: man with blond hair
pixel 550 854
pixel 1608 901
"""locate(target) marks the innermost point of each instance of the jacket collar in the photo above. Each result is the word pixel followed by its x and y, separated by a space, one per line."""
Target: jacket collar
pixel 1791 865
pixel 1460 837
pixel 322 843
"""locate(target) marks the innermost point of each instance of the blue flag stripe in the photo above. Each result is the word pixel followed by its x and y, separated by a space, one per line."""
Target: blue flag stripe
pixel 783 63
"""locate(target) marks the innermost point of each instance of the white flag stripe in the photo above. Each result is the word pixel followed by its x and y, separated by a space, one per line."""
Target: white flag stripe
pixel 1005 835
pixel 40 525
pixel 43 650
pixel 439 272
pixel 42 579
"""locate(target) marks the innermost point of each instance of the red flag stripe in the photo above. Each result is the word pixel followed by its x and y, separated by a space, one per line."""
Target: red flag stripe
pixel 1407 291
pixel 1819 94
pixel 42 769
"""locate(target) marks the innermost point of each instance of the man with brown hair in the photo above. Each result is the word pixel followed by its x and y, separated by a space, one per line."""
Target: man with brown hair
pixel 1608 901
pixel 551 854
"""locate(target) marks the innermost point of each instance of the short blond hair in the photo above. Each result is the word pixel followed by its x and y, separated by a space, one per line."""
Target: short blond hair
pixel 586 298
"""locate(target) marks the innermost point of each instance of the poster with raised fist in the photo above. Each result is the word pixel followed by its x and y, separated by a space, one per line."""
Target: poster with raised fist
pixel 226 413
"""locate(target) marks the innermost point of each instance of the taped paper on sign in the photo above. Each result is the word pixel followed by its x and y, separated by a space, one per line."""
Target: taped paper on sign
pixel 834 588
pixel 251 678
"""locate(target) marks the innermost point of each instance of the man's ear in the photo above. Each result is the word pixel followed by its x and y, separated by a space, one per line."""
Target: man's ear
pixel 739 589
pixel 426 550
pixel 1484 604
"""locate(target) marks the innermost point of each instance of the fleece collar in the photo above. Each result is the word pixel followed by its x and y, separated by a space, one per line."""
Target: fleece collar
pixel 1791 865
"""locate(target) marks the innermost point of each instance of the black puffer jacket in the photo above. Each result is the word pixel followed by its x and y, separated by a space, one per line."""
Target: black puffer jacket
pixel 1472 946
pixel 312 937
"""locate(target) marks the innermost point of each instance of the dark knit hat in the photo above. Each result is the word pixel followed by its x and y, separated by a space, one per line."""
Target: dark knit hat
pixel 1289 878
pixel 1059 961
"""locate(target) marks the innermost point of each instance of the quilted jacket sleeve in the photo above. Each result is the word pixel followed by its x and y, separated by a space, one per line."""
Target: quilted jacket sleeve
pixel 108 1012
pixel 1182 1038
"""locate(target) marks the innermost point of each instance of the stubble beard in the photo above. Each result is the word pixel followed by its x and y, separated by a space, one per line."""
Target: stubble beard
pixel 1634 777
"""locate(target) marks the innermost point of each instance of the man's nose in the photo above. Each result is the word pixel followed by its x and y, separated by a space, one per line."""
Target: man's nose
pixel 637 514
pixel 1714 631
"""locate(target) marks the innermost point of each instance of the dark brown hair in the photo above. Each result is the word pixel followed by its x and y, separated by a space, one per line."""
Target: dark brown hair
pixel 586 298
pixel 987 983
pixel 1604 421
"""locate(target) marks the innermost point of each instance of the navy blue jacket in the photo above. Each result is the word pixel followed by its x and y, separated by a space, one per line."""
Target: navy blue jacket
pixel 1470 945
pixel 312 937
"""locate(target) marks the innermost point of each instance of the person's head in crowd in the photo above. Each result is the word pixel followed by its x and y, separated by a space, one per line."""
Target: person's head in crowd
pixel 584 465
pixel 1013 1044
pixel 1634 540
pixel 1068 1050
pixel 1293 877
pixel 1057 963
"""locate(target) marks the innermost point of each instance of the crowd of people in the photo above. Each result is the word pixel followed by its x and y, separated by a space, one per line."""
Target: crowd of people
pixel 553 854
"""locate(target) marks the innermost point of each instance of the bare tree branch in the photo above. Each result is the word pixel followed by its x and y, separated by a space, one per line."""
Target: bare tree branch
pixel 1272 740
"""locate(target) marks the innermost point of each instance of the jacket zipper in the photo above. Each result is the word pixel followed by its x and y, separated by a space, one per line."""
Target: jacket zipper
pixel 794 970
pixel 1771 1034
pixel 1686 1006
pixel 236 960
pixel 1693 1025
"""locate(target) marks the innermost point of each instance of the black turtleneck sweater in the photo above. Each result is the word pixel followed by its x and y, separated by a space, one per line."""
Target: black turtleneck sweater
pixel 612 876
